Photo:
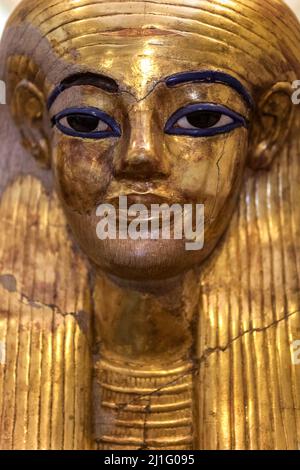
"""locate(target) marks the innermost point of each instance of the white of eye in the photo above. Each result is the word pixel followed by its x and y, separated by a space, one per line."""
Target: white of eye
pixel 102 126
pixel 224 120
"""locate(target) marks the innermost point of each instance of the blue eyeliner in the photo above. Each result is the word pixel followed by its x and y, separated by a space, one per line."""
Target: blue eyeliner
pixel 210 76
pixel 238 121
pixel 92 112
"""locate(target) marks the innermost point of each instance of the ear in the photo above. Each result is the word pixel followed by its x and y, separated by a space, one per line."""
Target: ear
pixel 29 111
pixel 271 125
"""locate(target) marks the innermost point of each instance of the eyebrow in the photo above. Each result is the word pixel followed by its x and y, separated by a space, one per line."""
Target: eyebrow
pixel 97 80
pixel 210 76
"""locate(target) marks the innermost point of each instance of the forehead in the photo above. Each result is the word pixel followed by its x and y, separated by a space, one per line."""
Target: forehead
pixel 137 63
pixel 138 60
pixel 139 42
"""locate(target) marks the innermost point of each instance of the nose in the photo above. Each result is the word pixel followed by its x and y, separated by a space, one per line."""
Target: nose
pixel 143 156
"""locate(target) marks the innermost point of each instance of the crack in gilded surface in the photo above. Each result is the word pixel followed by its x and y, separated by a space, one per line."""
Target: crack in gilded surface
pixel 137 413
pixel 26 300
pixel 209 351
pixel 160 419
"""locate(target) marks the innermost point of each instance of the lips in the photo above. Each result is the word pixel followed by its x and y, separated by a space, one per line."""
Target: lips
pixel 137 198
pixel 145 199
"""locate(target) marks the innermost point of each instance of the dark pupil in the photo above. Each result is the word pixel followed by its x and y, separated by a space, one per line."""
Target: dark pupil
pixel 204 119
pixel 82 123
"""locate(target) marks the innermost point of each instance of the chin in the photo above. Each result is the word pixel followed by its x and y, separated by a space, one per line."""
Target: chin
pixel 139 260
pixel 143 260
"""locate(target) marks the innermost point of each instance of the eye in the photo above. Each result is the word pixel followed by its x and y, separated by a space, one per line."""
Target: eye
pixel 89 123
pixel 83 123
pixel 204 120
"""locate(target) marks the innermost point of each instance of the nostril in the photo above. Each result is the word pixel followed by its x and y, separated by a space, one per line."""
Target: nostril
pixel 142 157
pixel 141 164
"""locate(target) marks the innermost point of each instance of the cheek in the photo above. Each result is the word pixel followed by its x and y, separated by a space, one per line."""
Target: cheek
pixel 199 180
pixel 209 168
pixel 82 171
pixel 230 168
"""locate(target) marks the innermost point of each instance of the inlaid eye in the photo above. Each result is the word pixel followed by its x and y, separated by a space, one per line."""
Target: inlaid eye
pixel 203 120
pixel 89 123
pixel 83 123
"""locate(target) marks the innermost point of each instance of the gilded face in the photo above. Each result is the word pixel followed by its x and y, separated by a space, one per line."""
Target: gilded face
pixel 153 123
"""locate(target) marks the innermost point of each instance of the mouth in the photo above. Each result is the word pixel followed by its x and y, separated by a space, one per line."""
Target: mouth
pixel 149 201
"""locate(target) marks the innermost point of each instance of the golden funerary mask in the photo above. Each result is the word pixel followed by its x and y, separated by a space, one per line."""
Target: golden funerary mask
pixel 164 102
pixel 154 102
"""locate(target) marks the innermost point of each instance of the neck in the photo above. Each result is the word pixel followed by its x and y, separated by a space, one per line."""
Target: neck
pixel 144 367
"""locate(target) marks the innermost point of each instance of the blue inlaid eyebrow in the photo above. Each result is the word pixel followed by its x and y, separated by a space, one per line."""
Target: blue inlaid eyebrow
pixel 97 80
pixel 58 90
pixel 211 76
